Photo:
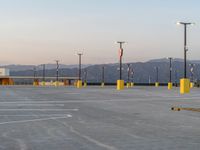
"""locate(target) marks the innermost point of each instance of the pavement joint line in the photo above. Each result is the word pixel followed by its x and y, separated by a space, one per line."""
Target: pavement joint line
pixel 39 109
pixel 55 115
pixel 33 120
pixel 31 104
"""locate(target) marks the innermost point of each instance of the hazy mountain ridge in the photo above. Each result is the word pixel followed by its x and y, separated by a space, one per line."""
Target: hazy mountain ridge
pixel 144 72
pixel 14 67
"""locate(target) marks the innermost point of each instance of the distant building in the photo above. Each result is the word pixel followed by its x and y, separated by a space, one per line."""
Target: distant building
pixel 4 72
pixel 5 77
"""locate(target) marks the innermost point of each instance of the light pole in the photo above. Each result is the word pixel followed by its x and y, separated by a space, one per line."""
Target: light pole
pixel 120 82
pixel 176 76
pixel 170 84
pixel 192 74
pixel 43 74
pixel 85 78
pixel 57 72
pixel 79 82
pixel 35 83
pixel 185 82
pixel 128 75
pixel 103 76
pixel 132 75
pixel 156 83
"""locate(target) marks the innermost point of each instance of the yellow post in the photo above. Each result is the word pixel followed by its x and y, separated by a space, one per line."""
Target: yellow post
pixel 43 83
pixel 120 84
pixel 56 83
pixel 128 85
pixel 170 85
pixel 85 84
pixel 79 84
pixel 157 84
pixel 102 84
pixel 191 84
pixel 184 86
pixel 132 84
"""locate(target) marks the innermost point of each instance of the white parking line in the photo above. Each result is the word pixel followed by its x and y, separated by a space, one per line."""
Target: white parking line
pixel 38 109
pixel 33 120
pixel 31 104
pixel 48 115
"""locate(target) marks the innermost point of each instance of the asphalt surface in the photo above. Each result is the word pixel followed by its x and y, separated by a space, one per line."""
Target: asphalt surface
pixel 94 118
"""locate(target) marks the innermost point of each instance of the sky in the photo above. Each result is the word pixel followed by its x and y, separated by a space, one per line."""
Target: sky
pixel 41 31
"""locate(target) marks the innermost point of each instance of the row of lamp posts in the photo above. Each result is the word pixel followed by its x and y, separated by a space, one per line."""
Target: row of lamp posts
pixel 184 82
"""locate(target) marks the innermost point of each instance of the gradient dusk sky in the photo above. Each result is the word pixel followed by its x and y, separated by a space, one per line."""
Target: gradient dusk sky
pixel 40 31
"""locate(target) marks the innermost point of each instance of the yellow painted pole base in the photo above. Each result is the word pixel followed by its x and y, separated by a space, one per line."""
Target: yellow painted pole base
pixel 79 84
pixel 43 83
pixel 184 86
pixel 56 83
pixel 170 85
pixel 191 84
pixel 132 84
pixel 128 85
pixel 102 84
pixel 120 84
pixel 157 84
pixel 35 83
pixel 85 84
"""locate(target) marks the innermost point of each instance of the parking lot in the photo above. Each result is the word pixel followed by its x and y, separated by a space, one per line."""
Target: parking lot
pixel 95 118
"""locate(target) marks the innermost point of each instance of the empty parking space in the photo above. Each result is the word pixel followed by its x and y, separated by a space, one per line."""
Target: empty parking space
pixel 95 118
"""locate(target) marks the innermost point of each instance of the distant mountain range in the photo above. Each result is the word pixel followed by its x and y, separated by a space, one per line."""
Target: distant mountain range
pixel 39 67
pixel 144 72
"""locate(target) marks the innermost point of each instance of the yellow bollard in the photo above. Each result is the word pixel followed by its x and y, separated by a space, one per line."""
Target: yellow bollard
pixel 79 84
pixel 85 84
pixel 56 83
pixel 170 84
pixel 191 84
pixel 184 86
pixel 102 84
pixel 128 85
pixel 43 83
pixel 157 84
pixel 132 84
pixel 120 84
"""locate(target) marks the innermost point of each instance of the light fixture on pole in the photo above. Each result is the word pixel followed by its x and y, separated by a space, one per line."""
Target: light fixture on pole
pixel 57 72
pixel 79 82
pixel 185 82
pixel 156 83
pixel 120 82
pixel 170 84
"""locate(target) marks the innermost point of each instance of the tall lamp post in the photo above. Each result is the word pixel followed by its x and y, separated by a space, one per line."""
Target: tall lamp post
pixel 103 77
pixel 128 75
pixel 79 82
pixel 132 76
pixel 120 82
pixel 185 82
pixel 43 74
pixel 176 76
pixel 170 84
pixel 85 78
pixel 34 76
pixel 192 75
pixel 156 83
pixel 57 72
